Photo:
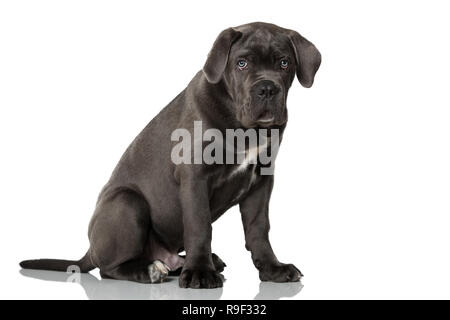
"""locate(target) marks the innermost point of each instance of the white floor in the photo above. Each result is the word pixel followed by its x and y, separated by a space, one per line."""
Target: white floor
pixel 88 286
pixel 354 266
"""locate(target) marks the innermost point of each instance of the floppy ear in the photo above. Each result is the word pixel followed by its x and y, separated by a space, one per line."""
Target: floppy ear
pixel 307 57
pixel 218 56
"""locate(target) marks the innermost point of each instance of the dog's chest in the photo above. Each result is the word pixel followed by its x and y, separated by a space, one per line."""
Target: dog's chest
pixel 231 187
pixel 242 178
pixel 233 183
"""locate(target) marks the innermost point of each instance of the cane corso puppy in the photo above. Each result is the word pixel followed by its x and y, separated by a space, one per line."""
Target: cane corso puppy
pixel 152 209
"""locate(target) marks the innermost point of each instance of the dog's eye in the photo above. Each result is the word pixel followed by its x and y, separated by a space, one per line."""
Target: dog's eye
pixel 284 64
pixel 242 64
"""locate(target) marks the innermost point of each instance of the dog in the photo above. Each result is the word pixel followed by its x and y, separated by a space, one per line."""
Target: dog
pixel 153 209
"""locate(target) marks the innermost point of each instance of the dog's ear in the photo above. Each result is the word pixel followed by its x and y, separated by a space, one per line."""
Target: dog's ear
pixel 307 58
pixel 218 56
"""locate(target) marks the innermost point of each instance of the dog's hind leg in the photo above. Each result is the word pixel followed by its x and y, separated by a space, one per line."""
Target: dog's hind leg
pixel 218 263
pixel 138 271
pixel 118 233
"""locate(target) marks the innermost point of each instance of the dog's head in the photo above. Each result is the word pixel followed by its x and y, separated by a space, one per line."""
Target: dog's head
pixel 257 63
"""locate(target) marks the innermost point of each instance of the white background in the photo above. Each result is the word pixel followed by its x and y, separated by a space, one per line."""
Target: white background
pixel 361 201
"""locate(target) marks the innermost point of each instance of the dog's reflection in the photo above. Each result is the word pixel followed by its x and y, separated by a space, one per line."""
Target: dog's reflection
pixel 275 291
pixel 107 289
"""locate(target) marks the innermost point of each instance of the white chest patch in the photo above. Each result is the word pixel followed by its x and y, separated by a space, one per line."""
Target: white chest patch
pixel 251 157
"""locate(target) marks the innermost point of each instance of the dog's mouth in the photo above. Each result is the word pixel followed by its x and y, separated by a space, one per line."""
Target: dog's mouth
pixel 265 116
pixel 270 120
pixel 266 121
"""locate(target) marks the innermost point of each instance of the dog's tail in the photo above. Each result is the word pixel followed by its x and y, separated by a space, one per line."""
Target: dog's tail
pixel 84 264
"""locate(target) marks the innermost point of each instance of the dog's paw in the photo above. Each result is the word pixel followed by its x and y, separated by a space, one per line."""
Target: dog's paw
pixel 199 278
pixel 158 271
pixel 218 263
pixel 280 273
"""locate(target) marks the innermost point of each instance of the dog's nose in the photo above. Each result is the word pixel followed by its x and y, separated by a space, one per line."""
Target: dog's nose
pixel 266 89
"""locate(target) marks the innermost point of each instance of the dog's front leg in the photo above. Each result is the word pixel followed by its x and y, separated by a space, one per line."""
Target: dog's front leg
pixel 198 270
pixel 255 217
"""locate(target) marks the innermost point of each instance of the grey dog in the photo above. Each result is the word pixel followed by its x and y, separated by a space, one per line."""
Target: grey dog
pixel 152 209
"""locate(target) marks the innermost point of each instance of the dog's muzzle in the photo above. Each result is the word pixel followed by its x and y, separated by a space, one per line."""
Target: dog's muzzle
pixel 266 96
